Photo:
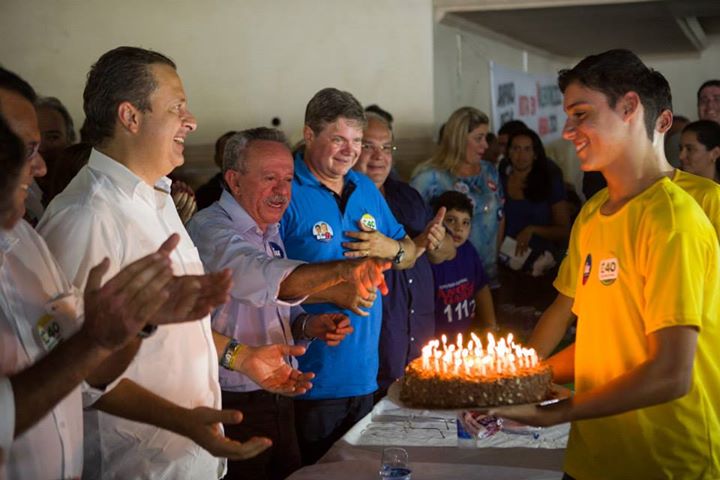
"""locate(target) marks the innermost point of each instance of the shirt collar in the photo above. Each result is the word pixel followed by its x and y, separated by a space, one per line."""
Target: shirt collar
pixel 123 177
pixel 242 220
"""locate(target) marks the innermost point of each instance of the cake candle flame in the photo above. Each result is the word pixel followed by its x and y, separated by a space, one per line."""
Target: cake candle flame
pixel 499 356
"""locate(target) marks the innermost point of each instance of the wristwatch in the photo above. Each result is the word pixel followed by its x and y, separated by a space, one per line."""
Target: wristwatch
pixel 399 255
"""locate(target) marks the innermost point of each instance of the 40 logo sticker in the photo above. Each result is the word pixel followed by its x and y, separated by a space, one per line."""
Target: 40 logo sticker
pixel 608 271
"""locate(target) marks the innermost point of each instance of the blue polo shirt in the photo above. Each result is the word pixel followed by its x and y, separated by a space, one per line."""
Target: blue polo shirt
pixel 313 230
pixel 409 309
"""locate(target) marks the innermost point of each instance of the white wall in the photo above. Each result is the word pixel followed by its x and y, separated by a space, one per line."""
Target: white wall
pixel 462 71
pixel 686 74
pixel 242 62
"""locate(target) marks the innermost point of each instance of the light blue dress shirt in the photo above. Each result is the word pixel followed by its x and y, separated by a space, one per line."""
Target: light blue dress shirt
pixel 227 237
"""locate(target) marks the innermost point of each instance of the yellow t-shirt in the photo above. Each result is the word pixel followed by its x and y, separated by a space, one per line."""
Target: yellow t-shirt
pixel 705 192
pixel 653 264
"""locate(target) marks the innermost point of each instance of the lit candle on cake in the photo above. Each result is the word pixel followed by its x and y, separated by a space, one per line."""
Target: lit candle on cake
pixel 498 357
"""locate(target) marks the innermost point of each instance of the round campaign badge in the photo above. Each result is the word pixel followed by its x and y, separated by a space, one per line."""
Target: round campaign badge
pixel 277 251
pixel 322 231
pixel 608 271
pixel 368 221
pixel 587 268
pixel 461 187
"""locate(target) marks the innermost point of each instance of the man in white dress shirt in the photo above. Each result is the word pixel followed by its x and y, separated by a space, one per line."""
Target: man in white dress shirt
pixel 47 346
pixel 119 206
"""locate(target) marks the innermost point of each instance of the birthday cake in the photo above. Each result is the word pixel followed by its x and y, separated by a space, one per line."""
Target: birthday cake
pixel 457 376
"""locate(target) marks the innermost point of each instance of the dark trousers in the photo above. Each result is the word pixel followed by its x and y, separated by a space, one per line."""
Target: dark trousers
pixel 320 423
pixel 264 415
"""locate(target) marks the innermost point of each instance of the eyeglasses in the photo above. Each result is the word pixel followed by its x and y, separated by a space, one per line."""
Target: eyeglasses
pixel 386 149
pixel 32 150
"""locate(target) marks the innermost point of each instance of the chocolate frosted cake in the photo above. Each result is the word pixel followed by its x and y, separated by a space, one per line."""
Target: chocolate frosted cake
pixel 450 376
pixel 430 389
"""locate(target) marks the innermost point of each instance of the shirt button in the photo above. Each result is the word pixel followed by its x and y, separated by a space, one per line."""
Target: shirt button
pixel 410 281
pixel 412 310
pixel 62 424
pixel 412 339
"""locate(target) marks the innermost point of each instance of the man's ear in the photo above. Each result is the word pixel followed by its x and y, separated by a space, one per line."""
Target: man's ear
pixel 129 117
pixel 715 152
pixel 664 121
pixel 230 177
pixel 308 134
pixel 629 104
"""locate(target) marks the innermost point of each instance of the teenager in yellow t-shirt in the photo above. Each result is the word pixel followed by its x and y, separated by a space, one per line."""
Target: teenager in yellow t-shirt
pixel 558 317
pixel 647 297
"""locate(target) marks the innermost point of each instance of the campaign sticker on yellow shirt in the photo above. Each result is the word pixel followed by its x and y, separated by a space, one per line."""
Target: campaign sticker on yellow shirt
pixel 608 271
pixel 368 221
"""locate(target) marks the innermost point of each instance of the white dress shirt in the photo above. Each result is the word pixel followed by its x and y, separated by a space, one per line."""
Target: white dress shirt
pixel 228 237
pixel 32 286
pixel 109 211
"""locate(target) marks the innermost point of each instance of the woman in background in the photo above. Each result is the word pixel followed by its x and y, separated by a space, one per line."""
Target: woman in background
pixel 537 215
pixel 458 165
pixel 700 149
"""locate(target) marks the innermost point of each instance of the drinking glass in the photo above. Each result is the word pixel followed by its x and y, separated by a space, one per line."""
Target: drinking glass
pixel 394 464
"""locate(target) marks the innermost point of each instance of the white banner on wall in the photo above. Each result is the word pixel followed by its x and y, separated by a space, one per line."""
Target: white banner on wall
pixel 534 99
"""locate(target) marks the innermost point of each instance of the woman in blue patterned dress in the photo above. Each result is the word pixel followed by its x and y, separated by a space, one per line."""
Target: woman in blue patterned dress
pixel 458 165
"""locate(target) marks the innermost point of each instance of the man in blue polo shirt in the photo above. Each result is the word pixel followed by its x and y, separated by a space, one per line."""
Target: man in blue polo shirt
pixel 330 203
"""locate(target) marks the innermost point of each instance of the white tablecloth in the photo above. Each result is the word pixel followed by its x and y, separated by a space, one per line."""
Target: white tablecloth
pixel 430 438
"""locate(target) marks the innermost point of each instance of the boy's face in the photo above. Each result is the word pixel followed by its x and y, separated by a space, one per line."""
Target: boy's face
pixel 457 224
pixel 599 132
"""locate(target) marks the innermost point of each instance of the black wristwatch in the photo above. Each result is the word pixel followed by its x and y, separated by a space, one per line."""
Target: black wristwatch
pixel 399 255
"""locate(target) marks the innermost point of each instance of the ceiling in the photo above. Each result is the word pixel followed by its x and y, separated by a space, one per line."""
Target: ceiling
pixel 570 28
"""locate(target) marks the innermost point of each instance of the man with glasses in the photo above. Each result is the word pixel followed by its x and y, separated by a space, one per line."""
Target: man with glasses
pixel 708 97
pixel 408 311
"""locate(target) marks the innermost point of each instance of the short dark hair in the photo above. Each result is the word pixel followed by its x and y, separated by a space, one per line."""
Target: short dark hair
pixel 120 75
pixel 12 160
pixel 13 82
pixel 329 104
pixel 617 72
pixel 237 146
pixel 453 200
pixel 709 83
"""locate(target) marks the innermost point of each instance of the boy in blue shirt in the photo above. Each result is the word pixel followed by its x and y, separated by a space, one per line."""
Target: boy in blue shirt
pixel 462 296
